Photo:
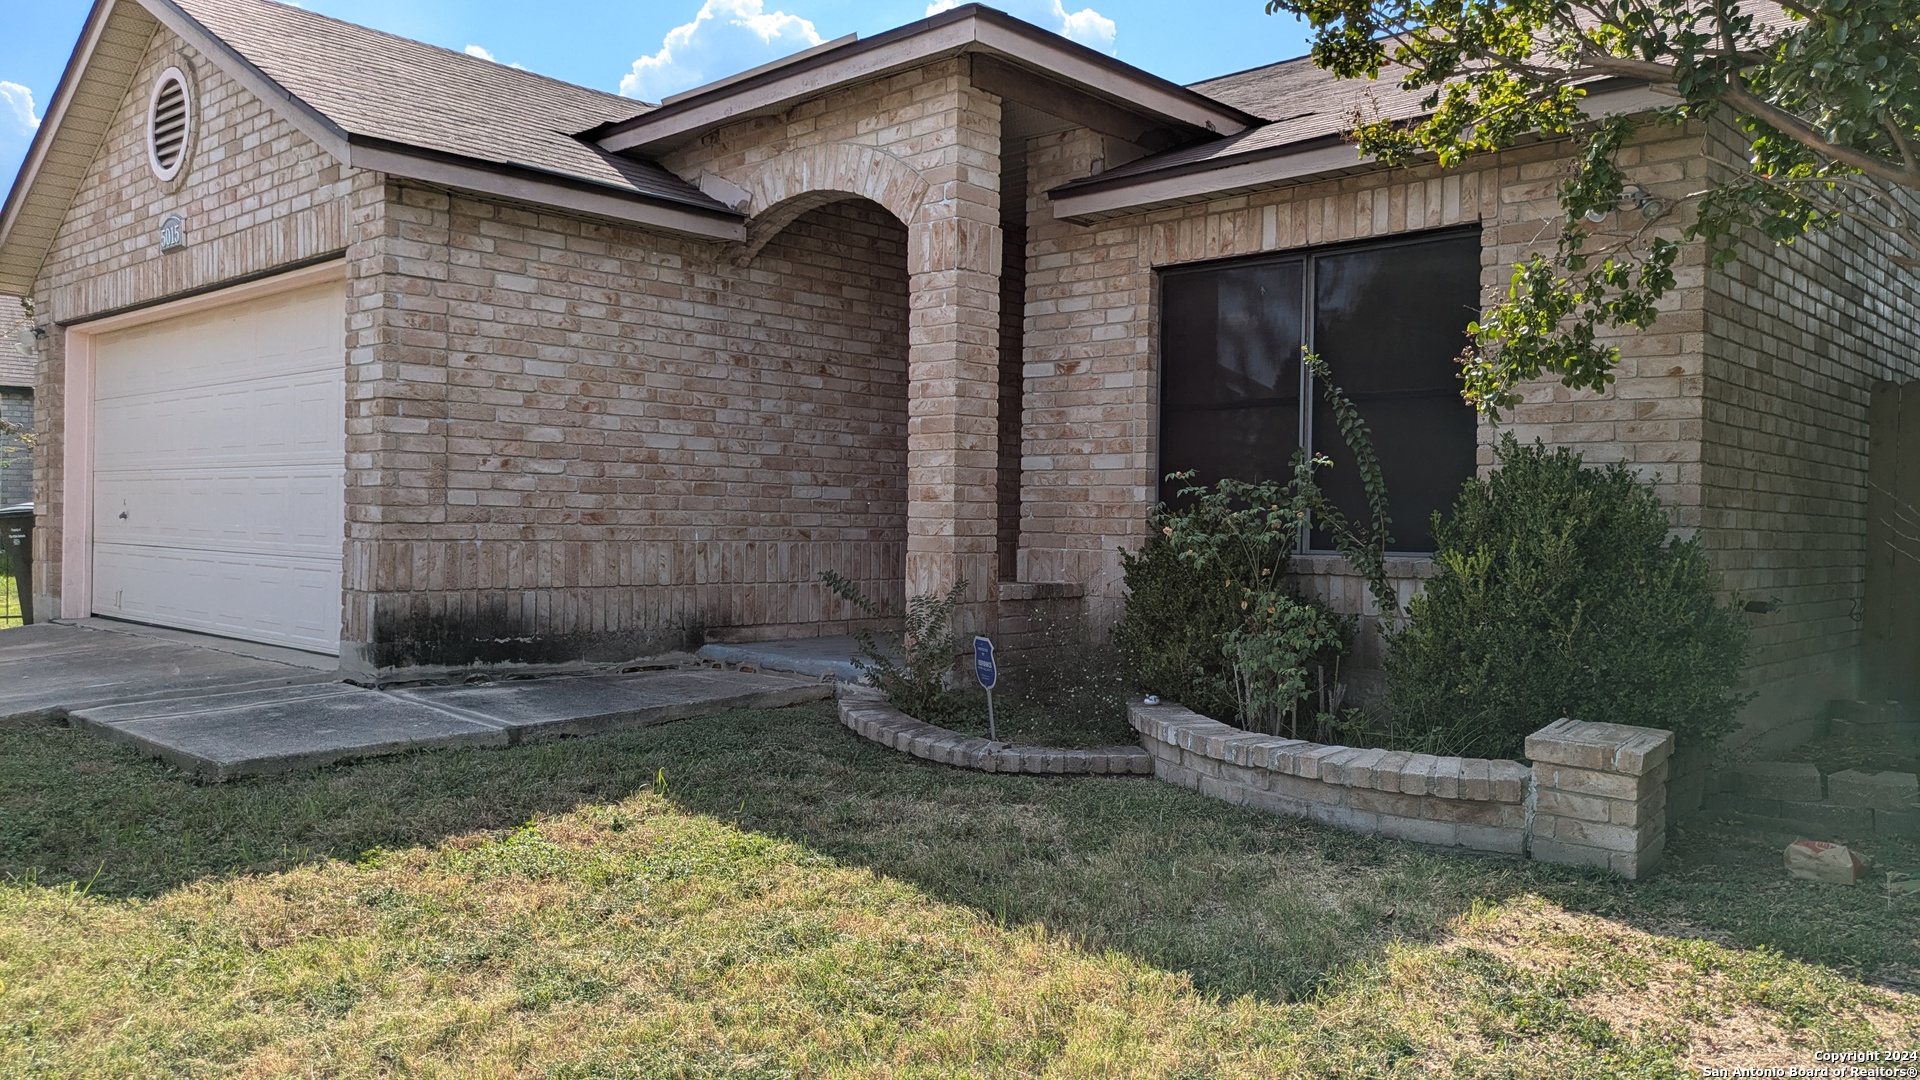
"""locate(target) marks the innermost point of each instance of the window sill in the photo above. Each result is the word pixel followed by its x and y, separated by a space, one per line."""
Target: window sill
pixel 1398 567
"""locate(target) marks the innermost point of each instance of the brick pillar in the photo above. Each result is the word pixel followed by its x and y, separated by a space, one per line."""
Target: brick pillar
pixel 1600 796
pixel 953 266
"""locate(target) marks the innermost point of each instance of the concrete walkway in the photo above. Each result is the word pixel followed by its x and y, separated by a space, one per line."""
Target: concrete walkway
pixel 818 658
pixel 220 715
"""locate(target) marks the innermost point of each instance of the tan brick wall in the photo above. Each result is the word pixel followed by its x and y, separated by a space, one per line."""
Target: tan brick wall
pixel 580 441
pixel 1092 379
pixel 592 437
pixel 1746 400
pixel 924 144
pixel 1796 337
pixel 256 194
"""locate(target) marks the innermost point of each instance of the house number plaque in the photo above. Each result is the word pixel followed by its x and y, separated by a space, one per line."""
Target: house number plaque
pixel 173 233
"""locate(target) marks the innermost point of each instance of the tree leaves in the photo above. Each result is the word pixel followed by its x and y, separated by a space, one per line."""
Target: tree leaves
pixel 1825 93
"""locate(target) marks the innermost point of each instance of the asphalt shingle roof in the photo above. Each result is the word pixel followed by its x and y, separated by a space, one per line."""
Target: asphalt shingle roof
pixel 1304 104
pixel 379 86
pixel 1301 104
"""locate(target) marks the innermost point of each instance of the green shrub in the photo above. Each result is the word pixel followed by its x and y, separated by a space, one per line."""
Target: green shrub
pixel 1175 622
pixel 912 668
pixel 1561 593
pixel 1210 620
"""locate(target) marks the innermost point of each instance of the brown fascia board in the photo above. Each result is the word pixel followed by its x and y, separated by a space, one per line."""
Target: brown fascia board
pixel 1097 198
pixel 967 28
pixel 544 188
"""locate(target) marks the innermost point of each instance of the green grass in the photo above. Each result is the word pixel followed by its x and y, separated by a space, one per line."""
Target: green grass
pixel 764 894
pixel 9 601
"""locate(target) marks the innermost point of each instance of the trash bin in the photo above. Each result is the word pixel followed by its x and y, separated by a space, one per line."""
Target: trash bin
pixel 16 539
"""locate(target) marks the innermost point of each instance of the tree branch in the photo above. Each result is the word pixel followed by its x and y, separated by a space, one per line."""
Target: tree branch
pixel 1900 140
pixel 1766 112
pixel 1804 134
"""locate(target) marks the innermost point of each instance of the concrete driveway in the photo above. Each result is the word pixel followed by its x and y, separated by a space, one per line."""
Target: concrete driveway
pixel 47 671
pixel 222 710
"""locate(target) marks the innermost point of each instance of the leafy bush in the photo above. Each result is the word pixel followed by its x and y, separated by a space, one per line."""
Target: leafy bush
pixel 1210 620
pixel 1175 621
pixel 1561 593
pixel 914 667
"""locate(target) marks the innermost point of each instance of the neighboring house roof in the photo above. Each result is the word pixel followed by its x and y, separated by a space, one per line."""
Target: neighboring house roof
pixel 16 367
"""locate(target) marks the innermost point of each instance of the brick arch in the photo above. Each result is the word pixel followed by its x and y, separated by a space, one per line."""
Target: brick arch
pixel 781 189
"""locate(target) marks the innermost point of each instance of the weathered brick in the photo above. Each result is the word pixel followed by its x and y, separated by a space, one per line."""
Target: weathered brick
pixel 1793 781
pixel 1589 782
pixel 1421 831
pixel 1387 803
pixel 1579 807
pixel 1608 747
pixel 1547 849
pixel 1880 790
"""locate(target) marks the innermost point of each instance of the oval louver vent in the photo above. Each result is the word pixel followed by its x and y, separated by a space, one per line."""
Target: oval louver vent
pixel 168 122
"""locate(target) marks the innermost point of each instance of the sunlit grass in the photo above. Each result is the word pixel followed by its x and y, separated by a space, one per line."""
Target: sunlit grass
pixel 9 601
pixel 763 894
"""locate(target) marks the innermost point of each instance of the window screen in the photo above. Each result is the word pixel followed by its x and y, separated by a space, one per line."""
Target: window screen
pixel 1388 319
pixel 1230 400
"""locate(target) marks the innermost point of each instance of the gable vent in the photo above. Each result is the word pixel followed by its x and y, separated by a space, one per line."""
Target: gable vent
pixel 169 124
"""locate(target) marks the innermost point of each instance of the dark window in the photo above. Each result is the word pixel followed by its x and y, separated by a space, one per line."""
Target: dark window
pixel 1389 321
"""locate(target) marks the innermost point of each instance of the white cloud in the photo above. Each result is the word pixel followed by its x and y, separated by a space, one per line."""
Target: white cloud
pixel 479 53
pixel 724 38
pixel 1086 26
pixel 16 108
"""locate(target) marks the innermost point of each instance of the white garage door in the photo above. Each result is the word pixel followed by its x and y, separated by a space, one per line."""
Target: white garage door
pixel 219 457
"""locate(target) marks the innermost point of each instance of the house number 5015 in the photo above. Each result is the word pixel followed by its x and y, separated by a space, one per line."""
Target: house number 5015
pixel 173 233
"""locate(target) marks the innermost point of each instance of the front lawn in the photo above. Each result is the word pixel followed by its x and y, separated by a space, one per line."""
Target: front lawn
pixel 764 894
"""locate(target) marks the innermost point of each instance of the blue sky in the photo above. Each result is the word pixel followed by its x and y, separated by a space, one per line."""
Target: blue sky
pixel 651 48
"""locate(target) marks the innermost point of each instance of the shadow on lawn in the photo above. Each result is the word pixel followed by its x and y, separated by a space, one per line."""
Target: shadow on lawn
pixel 1244 902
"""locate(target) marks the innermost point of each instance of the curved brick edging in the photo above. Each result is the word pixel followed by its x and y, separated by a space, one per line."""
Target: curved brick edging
pixel 1470 803
pixel 1595 795
pixel 872 718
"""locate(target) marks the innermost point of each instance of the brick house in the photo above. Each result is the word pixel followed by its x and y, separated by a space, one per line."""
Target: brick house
pixel 16 402
pixel 363 346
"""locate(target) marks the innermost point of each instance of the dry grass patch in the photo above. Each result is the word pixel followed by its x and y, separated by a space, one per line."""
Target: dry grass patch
pixel 766 895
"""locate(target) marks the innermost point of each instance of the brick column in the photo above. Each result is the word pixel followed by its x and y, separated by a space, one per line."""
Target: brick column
pixel 1600 795
pixel 953 266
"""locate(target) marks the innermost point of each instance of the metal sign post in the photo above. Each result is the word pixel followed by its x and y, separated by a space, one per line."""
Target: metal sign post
pixel 984 670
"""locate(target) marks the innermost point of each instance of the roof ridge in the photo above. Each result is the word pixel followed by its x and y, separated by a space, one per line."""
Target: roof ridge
pixel 1303 57
pixel 638 105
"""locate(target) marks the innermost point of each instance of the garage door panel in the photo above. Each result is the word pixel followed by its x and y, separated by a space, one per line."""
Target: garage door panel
pixel 300 421
pixel 274 511
pixel 221 593
pixel 219 464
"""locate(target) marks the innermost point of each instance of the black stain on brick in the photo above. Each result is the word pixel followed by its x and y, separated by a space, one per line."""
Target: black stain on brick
pixel 422 634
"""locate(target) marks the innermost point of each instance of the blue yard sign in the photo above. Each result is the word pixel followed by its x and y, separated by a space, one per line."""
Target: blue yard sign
pixel 984 670
pixel 983 662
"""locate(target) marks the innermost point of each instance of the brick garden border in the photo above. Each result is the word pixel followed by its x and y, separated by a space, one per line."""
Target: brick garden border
pixel 872 718
pixel 1595 795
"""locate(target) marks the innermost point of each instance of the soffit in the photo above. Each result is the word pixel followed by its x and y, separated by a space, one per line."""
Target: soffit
pixel 113 44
